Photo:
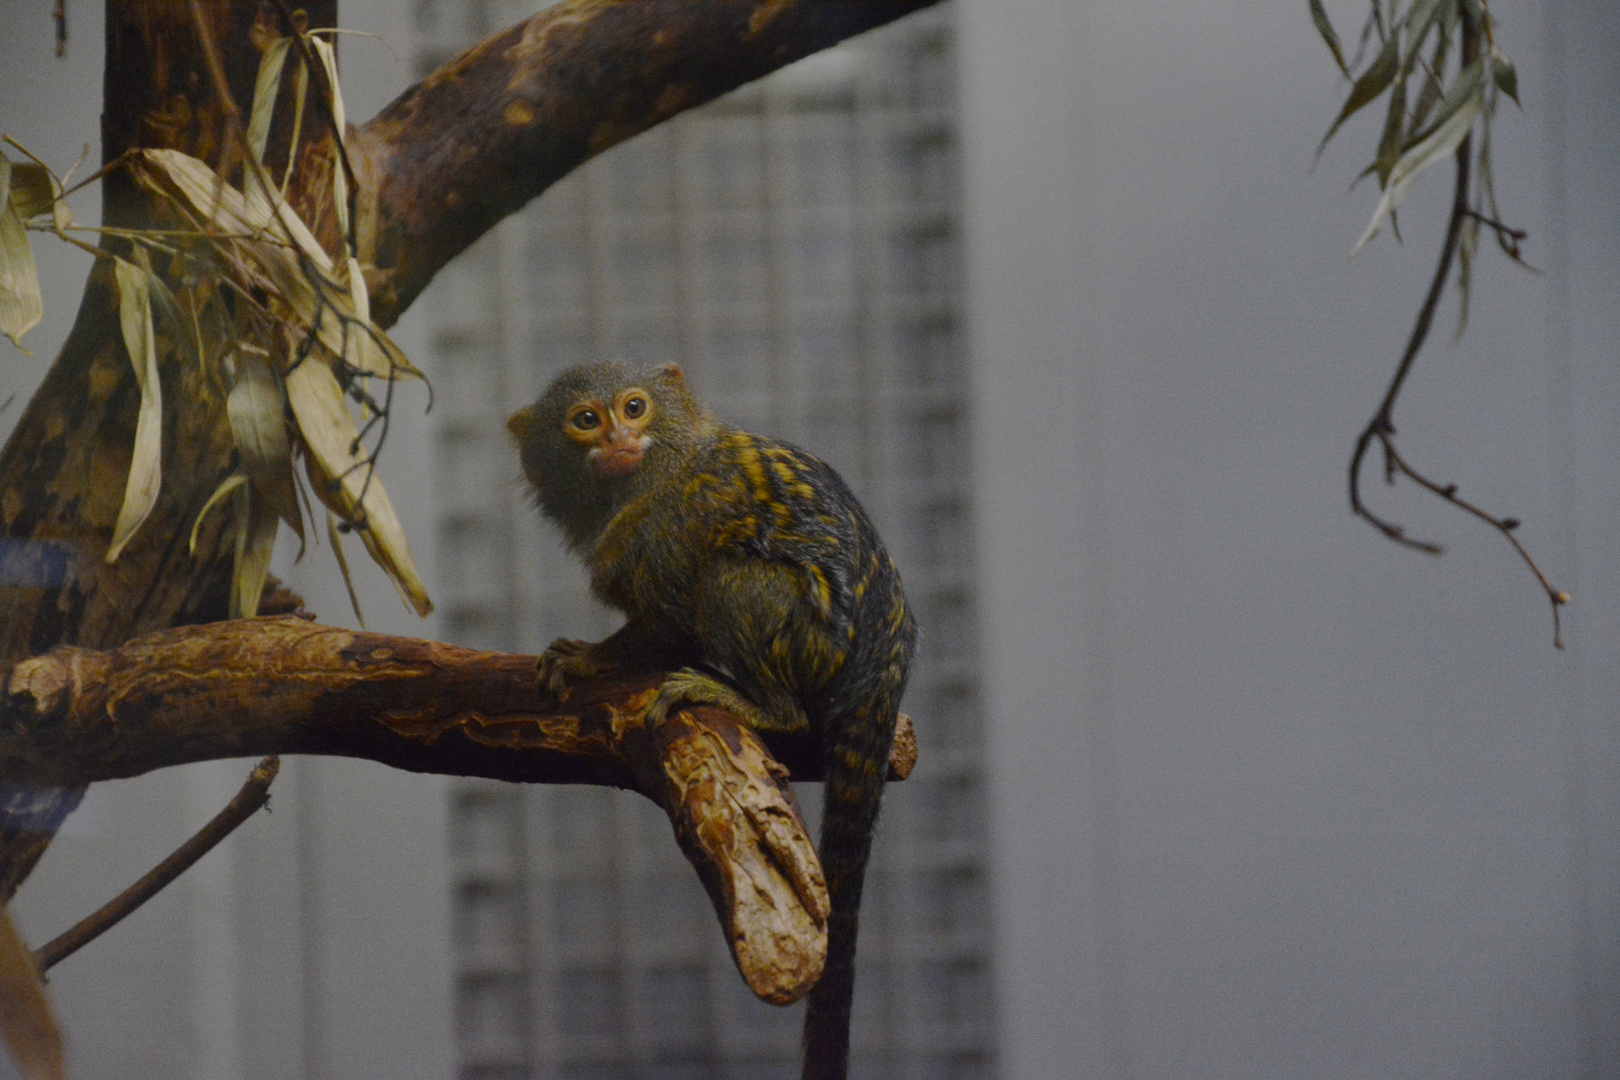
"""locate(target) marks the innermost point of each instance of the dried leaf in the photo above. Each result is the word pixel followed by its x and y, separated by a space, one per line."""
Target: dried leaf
pixel 265 91
pixel 1389 145
pixel 362 351
pixel 1465 88
pixel 228 486
pixel 258 541
pixel 1419 21
pixel 33 189
pixel 1374 81
pixel 61 216
pixel 334 536
pixel 300 92
pixel 1329 36
pixel 340 187
pixel 343 478
pixel 1505 75
pixel 1428 96
pixel 271 262
pixel 26 1020
pixel 20 305
pixel 257 407
pixel 1439 144
pixel 145 468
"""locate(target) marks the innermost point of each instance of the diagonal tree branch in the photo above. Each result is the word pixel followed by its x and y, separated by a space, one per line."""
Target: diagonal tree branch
pixel 497 125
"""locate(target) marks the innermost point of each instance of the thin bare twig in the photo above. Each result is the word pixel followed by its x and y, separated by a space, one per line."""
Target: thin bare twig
pixel 1382 426
pixel 254 794
pixel 1505 526
pixel 1510 236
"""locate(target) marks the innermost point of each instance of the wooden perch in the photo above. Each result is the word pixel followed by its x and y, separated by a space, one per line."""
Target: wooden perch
pixel 283 685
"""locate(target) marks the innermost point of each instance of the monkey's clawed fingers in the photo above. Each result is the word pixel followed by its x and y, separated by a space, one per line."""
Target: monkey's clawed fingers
pixel 567 660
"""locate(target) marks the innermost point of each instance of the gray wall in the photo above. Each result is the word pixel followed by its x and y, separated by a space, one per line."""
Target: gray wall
pixel 1272 797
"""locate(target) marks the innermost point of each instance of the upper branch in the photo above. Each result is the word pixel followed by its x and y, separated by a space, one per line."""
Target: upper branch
pixel 499 124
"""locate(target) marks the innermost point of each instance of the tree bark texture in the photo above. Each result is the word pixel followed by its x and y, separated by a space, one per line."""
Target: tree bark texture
pixel 285 685
pixel 499 124
pixel 444 163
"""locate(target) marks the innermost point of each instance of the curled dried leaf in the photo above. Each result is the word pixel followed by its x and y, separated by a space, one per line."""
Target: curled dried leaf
pixel 256 543
pixel 342 476
pixel 265 89
pixel 1374 81
pixel 33 189
pixel 232 483
pixel 20 305
pixel 257 407
pixel 145 467
pixel 1330 37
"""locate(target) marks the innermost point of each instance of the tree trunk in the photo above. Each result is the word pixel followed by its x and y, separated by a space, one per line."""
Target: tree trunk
pixel 62 473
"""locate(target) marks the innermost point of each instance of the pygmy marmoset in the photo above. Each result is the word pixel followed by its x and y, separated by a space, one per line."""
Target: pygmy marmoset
pixel 749 562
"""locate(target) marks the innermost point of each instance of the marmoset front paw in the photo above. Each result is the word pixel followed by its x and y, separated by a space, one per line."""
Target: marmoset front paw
pixel 567 660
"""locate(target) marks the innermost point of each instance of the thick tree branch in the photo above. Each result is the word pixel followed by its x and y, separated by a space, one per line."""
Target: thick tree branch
pixel 496 126
pixel 284 685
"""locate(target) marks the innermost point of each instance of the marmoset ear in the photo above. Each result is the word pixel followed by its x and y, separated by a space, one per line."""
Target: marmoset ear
pixel 520 422
pixel 673 372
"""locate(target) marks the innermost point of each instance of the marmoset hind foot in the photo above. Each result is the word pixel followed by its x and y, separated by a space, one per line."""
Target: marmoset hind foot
pixel 689 686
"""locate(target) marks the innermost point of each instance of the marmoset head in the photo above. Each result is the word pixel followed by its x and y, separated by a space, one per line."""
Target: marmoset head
pixel 598 432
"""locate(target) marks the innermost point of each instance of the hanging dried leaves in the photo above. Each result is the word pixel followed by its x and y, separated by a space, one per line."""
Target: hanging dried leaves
pixel 305 344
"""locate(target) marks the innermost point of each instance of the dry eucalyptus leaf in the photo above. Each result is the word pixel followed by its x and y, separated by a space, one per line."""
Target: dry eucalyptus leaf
pixel 256 543
pixel 20 306
pixel 231 484
pixel 257 407
pixel 340 124
pixel 334 536
pixel 265 91
pixel 1437 146
pixel 269 257
pixel 33 189
pixel 343 478
pixel 145 467
pixel 29 1027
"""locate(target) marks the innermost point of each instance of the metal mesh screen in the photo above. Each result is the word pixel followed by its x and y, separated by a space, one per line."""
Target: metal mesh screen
pixel 794 247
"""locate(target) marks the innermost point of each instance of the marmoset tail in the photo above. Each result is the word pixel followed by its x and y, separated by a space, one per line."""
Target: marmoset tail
pixel 749 562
